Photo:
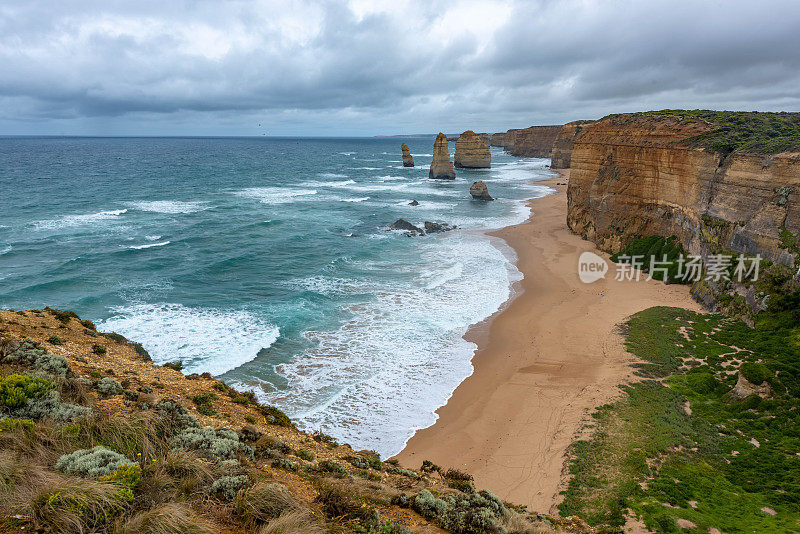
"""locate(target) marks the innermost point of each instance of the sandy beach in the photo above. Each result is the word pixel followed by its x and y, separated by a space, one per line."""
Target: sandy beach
pixel 543 363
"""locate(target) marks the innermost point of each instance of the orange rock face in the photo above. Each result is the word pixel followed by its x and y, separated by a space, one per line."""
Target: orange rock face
pixel 533 142
pixel 472 152
pixel 635 175
pixel 562 146
pixel 441 166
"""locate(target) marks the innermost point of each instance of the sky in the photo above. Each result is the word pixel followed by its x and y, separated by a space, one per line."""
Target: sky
pixel 373 67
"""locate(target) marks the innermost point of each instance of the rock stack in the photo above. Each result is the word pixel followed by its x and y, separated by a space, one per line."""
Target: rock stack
pixel 479 191
pixel 441 166
pixel 408 160
pixel 472 152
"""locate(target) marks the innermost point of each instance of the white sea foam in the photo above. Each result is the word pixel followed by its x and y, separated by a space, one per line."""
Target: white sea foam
pixel 204 339
pixel 276 195
pixel 71 221
pixel 150 245
pixel 346 153
pixel 359 199
pixel 152 237
pixel 317 183
pixel 6 250
pixel 331 175
pixel 379 377
pixel 170 207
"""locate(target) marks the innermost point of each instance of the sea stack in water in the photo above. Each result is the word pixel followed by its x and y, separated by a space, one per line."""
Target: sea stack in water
pixel 472 152
pixel 441 166
pixel 408 160
pixel 479 191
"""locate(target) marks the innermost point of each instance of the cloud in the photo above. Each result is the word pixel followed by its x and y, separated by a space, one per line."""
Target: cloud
pixel 302 67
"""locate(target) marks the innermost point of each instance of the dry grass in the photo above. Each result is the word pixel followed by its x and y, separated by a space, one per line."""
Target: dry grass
pixel 263 502
pixel 73 505
pixel 518 524
pixel 293 522
pixel 172 518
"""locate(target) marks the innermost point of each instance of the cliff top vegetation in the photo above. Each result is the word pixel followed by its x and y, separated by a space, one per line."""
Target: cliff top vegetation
pixel 743 131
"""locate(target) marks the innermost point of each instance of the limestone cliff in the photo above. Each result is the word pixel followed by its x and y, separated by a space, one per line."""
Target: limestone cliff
pixel 562 147
pixel 472 152
pixel 639 174
pixel 497 139
pixel 533 142
pixel 441 166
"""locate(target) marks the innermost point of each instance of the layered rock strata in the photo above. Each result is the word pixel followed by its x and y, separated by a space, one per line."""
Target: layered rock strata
pixel 441 166
pixel 472 152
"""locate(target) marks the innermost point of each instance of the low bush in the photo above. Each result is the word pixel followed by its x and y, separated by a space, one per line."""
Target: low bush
pixel 175 366
pixel 76 505
pixel 16 389
pixel 174 414
pixel 756 373
pixel 344 506
pixel 108 387
pixel 65 316
pixel 28 353
pixel 98 349
pixel 327 466
pixel 217 445
pixel 55 340
pixel 284 463
pixel 113 336
pixel 86 323
pixel 275 417
pixel 227 487
pixel 394 470
pixel 477 513
pixel 92 463
pixel 303 454
pixel 430 467
pixel 368 462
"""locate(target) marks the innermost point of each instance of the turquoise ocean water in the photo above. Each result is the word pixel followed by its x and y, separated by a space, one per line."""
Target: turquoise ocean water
pixel 266 262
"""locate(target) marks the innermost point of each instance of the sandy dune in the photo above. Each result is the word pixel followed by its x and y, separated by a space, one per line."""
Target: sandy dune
pixel 544 362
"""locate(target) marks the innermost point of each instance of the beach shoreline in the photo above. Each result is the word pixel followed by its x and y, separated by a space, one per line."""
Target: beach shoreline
pixel 543 362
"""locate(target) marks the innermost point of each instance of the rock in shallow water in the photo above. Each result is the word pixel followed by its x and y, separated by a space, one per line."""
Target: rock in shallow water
pixel 433 227
pixel 408 160
pixel 402 224
pixel 479 191
pixel 472 152
pixel 441 166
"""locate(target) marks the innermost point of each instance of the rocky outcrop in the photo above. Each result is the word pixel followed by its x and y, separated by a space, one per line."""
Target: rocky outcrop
pixel 408 160
pixel 562 146
pixel 435 228
pixel 636 174
pixel 472 152
pixel 441 166
pixel 404 225
pixel 479 191
pixel 744 388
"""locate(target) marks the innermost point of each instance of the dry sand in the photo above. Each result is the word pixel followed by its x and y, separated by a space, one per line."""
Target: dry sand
pixel 543 364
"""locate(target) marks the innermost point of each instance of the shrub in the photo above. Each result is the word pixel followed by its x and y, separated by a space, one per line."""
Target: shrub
pixel 16 389
pixel 268 443
pixel 394 470
pixel 65 316
pixel 756 373
pixel 92 463
pixel 175 415
pixel 284 463
pixel 262 502
pixel 461 485
pixel 55 340
pixel 327 466
pixel 141 351
pixel 361 462
pixel 303 454
pixel 342 506
pixel 227 487
pixel 321 437
pixel 175 366
pixel 170 518
pixel 28 353
pixel 50 406
pixel 86 323
pixel 108 387
pixel 477 513
pixel 113 336
pixel 429 467
pixel 217 445
pixel 98 349
pixel 656 247
pixel 276 417
pixel 76 505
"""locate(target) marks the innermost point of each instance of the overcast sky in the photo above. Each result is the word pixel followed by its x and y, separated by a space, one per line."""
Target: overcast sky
pixel 366 67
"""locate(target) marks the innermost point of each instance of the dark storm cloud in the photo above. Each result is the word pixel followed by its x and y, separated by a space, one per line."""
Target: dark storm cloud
pixel 364 67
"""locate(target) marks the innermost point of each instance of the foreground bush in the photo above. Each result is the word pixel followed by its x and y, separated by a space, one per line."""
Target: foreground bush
pixel 222 444
pixel 92 463
pixel 477 513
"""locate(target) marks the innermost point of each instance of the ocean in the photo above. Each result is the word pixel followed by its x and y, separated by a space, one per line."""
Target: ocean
pixel 266 262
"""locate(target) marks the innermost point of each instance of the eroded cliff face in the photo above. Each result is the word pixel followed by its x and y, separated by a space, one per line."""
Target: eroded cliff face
pixel 635 175
pixel 472 152
pixel 533 142
pixel 562 146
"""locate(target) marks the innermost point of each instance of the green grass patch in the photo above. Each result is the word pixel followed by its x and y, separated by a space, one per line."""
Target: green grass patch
pixel 678 445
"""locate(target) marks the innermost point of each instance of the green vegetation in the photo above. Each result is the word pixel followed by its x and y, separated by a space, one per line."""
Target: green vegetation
pixel 678 445
pixel 16 389
pixel 55 340
pixel 475 513
pixel 92 463
pixel 740 131
pixel 664 251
